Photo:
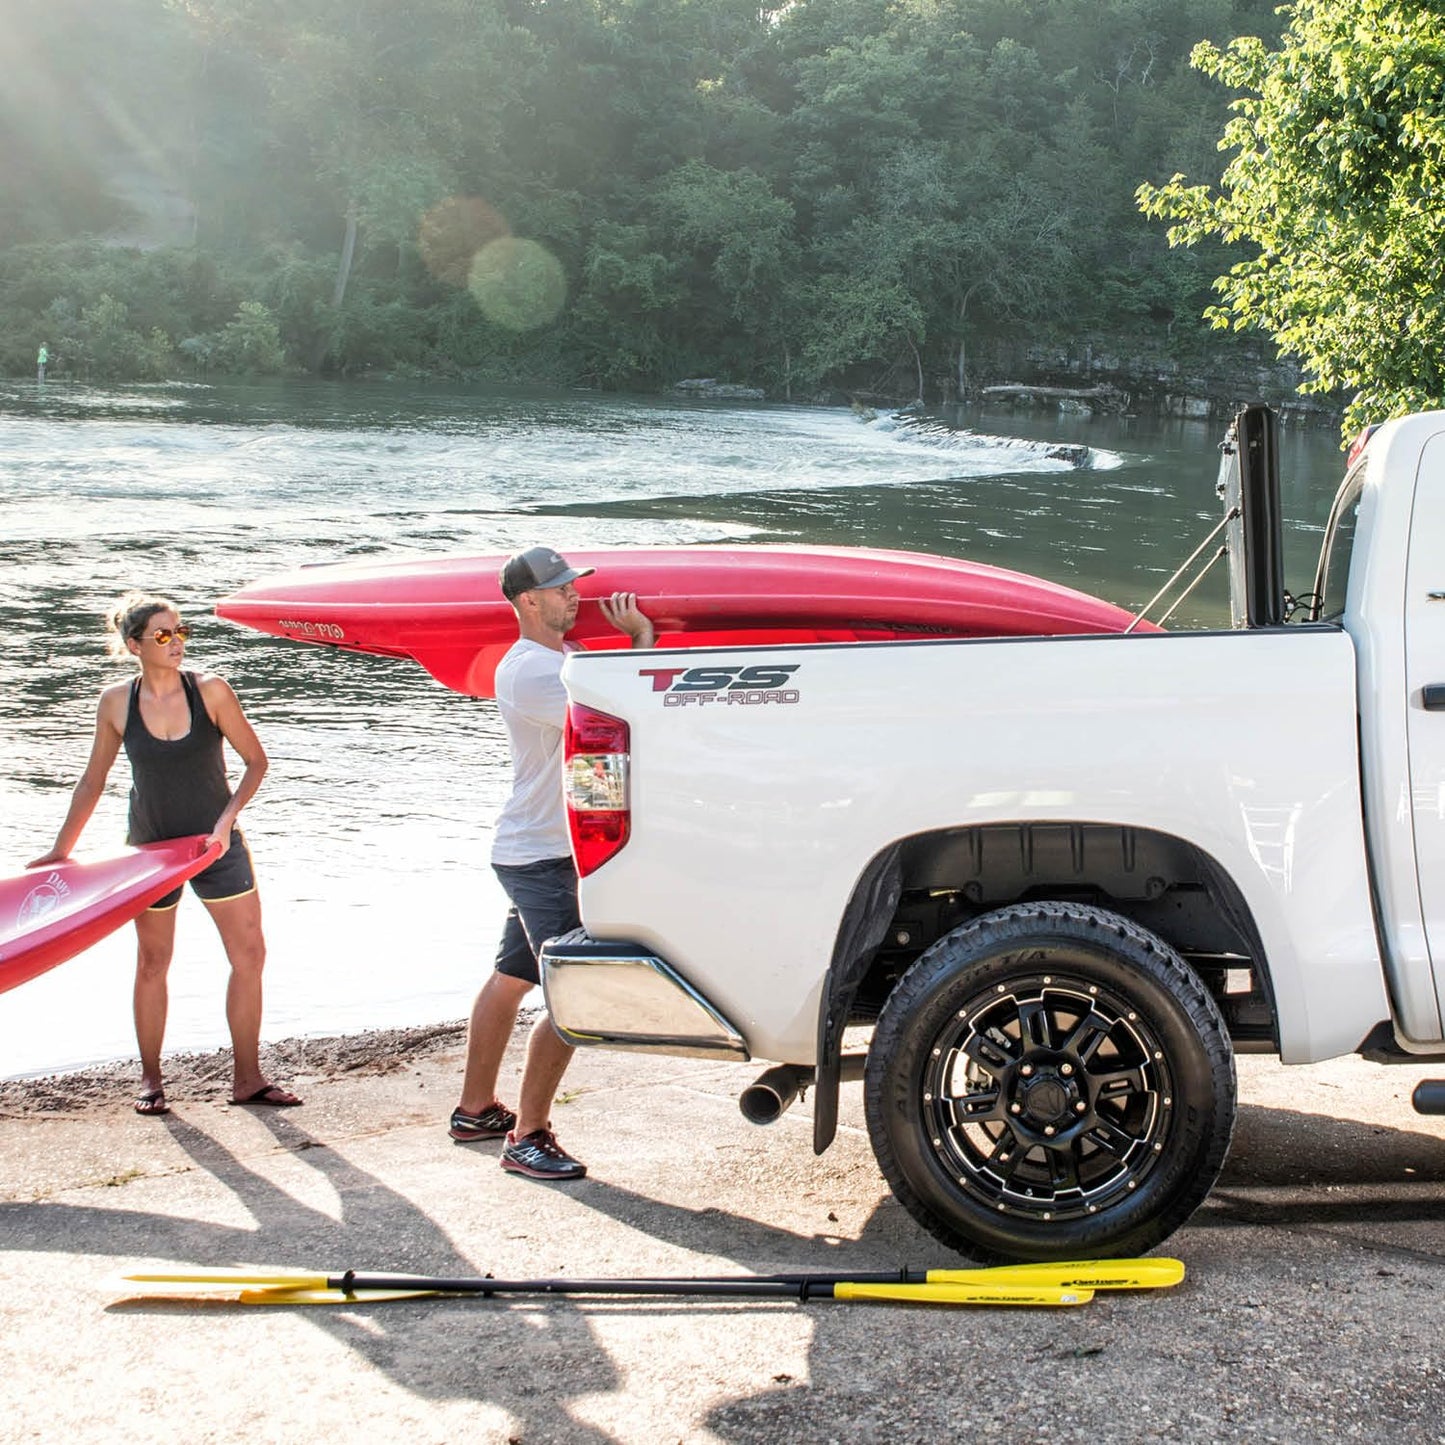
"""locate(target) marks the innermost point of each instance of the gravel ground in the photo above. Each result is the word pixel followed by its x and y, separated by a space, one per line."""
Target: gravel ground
pixel 1312 1309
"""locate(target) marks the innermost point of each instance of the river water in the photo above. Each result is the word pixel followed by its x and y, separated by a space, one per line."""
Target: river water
pixel 372 832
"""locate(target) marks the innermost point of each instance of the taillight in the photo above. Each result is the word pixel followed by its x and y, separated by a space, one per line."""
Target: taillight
pixel 596 763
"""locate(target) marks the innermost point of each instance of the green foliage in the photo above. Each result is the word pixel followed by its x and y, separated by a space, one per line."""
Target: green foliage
pixel 136 300
pixel 104 343
pixel 857 319
pixel 1334 191
pixel 620 192
pixel 251 344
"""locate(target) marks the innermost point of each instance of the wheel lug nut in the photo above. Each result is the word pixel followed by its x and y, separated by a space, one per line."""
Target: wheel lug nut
pixel 1049 1130
pixel 1081 1107
pixel 1066 1069
pixel 1015 1108
pixel 1026 1070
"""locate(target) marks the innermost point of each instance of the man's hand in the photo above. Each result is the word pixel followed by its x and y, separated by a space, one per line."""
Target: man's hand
pixel 622 612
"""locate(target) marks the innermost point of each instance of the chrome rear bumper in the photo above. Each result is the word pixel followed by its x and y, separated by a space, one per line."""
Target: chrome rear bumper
pixel 623 997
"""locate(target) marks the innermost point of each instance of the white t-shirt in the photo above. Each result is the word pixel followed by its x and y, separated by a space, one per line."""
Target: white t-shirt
pixel 533 821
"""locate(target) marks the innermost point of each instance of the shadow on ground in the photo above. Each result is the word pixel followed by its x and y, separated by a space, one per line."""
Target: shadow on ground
pixel 1287 1171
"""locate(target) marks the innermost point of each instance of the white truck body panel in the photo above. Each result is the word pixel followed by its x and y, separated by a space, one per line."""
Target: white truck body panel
pixel 1242 744
pixel 1398 559
pixel 1424 608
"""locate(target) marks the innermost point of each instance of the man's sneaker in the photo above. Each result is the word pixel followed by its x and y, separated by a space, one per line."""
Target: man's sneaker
pixel 494 1121
pixel 538 1155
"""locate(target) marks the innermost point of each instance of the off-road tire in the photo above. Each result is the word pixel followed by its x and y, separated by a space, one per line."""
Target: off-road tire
pixel 1050 1081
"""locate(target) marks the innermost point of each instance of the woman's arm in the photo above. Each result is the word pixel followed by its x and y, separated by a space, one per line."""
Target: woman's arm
pixel 109 729
pixel 225 710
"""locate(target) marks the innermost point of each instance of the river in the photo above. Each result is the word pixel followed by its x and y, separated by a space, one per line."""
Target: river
pixel 372 832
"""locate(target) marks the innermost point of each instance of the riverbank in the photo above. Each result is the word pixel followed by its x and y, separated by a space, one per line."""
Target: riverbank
pixel 206 1076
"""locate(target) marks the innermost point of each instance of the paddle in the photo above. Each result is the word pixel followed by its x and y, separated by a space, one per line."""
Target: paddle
pixel 1033 1284
pixel 366 1289
pixel 931 1294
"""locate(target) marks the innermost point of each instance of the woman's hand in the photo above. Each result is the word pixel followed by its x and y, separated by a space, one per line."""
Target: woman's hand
pixel 56 855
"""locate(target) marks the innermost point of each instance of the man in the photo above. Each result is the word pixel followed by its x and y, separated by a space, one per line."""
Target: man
pixel 531 856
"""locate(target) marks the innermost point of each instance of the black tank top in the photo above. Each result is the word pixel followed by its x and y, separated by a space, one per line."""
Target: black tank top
pixel 178 785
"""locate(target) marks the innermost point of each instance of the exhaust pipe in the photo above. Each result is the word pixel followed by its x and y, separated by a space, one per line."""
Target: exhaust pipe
pixel 774 1091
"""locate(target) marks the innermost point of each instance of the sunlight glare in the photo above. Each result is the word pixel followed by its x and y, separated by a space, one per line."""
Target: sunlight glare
pixel 518 284
pixel 453 231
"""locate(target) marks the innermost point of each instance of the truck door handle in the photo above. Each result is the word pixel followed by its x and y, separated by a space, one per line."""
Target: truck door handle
pixel 1433 696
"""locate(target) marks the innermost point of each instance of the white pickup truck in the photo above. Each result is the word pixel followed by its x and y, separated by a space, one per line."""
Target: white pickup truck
pixel 1061 879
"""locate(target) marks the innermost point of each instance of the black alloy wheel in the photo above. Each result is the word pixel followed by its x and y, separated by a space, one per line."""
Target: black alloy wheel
pixel 1050 1081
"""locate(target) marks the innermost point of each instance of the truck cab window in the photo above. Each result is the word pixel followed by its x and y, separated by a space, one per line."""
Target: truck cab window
pixel 1333 580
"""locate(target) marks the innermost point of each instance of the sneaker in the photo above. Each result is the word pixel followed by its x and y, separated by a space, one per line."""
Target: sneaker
pixel 538 1155
pixel 493 1122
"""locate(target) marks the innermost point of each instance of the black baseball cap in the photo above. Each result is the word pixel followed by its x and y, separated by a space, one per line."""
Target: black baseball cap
pixel 537 567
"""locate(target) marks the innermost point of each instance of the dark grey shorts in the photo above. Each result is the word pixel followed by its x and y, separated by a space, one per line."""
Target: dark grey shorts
pixel 544 904
pixel 229 876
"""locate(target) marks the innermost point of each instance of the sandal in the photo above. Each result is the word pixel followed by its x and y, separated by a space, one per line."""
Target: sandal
pixel 273 1095
pixel 153 1101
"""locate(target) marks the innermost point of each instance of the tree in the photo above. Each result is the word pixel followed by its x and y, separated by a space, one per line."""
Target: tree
pixel 860 317
pixel 1339 142
pixel 105 344
pixel 250 343
pixel 738 236
pixel 838 192
pixel 389 106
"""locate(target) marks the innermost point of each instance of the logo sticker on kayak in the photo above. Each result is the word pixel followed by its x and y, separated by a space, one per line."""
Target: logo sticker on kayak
pixel 724 686
pixel 42 900
pixel 328 630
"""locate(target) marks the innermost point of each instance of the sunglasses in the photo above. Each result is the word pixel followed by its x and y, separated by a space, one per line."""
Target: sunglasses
pixel 163 635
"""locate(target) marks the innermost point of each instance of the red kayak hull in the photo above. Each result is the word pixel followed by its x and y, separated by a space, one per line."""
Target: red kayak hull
pixel 50 914
pixel 448 613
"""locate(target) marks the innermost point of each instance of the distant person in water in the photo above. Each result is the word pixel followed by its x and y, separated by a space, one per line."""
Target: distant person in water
pixel 532 858
pixel 172 722
pixel 41 362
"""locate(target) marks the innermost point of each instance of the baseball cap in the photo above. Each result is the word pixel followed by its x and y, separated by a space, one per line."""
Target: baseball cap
pixel 537 567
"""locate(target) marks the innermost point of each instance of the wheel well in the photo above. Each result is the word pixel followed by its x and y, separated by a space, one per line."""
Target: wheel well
pixel 918 889
pixel 1165 884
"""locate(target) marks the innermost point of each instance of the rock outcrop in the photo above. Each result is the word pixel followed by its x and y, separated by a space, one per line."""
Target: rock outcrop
pixel 705 388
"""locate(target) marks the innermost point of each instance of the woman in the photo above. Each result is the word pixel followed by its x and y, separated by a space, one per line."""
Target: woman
pixel 171 723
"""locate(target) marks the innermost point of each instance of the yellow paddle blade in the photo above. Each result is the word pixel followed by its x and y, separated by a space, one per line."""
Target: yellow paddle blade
pixel 975 1293
pixel 1085 1274
pixel 232 1278
pixel 328 1296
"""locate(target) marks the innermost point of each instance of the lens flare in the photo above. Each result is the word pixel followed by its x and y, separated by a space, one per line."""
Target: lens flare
pixel 518 284
pixel 453 231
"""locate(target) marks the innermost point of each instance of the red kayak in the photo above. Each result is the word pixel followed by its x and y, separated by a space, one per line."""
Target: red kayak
pixel 50 914
pixel 448 613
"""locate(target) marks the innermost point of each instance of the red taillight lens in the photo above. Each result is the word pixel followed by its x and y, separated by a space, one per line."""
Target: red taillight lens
pixel 595 783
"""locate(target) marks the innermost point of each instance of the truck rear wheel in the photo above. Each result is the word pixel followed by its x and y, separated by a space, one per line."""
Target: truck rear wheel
pixel 1050 1081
